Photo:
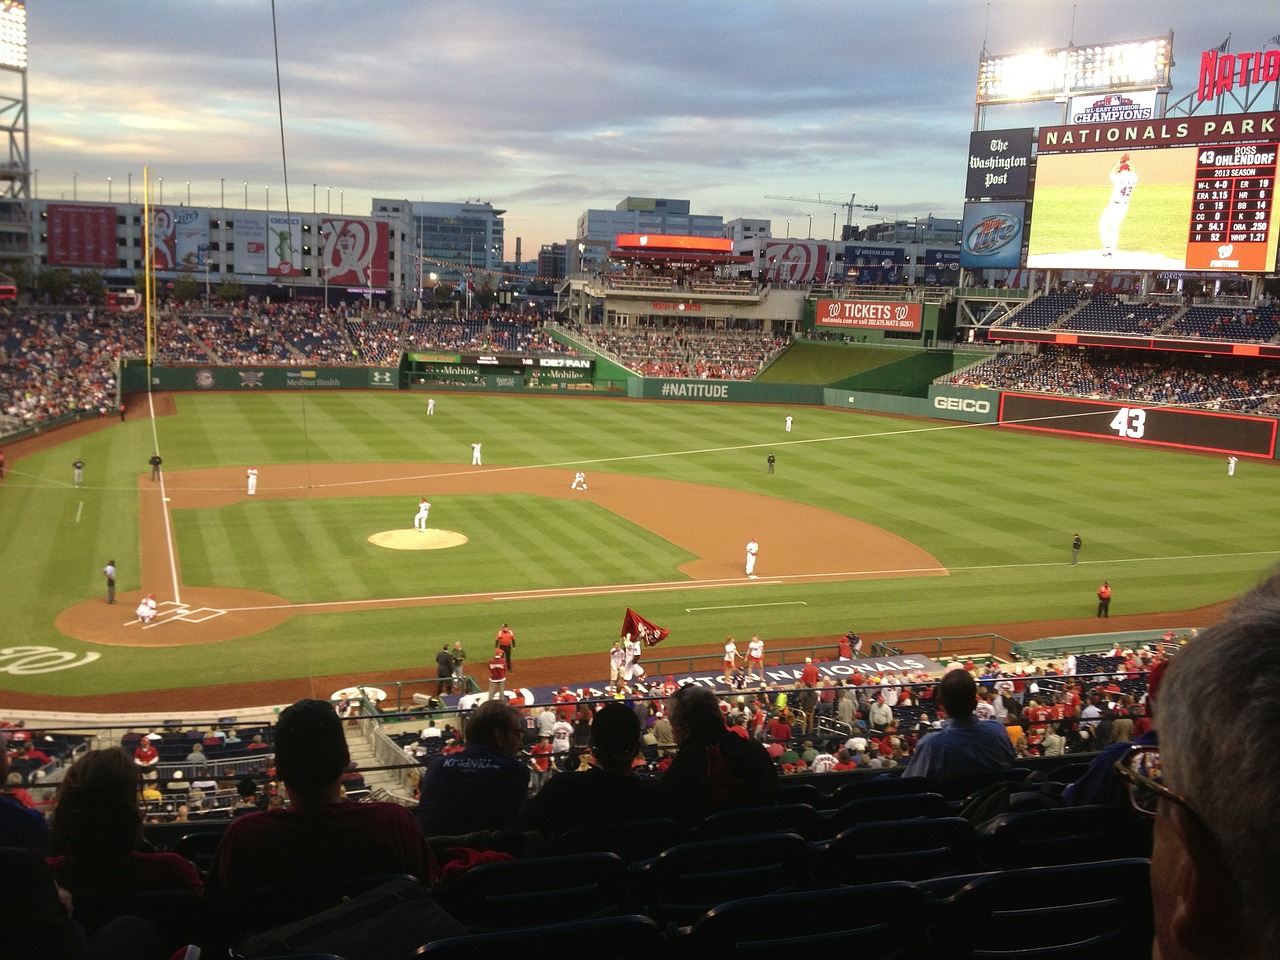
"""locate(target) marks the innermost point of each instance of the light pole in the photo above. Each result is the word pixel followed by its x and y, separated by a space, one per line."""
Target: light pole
pixel 328 199
pixel 810 233
pixel 131 188
pixel 313 198
pixel 222 193
pixel 788 229
pixel 268 198
pixel 342 203
pixel 74 195
pixel 188 193
pixel 246 194
pixel 161 190
pixel 108 189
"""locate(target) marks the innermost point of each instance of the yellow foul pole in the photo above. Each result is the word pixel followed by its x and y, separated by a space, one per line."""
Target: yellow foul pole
pixel 148 268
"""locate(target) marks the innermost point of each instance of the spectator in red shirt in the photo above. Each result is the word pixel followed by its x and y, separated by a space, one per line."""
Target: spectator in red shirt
pixel 506 640
pixel 146 755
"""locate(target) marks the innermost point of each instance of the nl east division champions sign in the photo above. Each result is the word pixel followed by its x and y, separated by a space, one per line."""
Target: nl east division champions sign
pixel 868 315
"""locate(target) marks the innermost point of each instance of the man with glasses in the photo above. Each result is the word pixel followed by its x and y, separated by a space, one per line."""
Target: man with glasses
pixel 1213 788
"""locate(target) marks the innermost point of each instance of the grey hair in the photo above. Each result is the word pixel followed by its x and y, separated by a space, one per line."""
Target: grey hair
pixel 1218 704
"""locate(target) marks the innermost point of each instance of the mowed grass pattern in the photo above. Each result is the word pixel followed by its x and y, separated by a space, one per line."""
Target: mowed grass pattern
pixel 515 542
pixel 996 506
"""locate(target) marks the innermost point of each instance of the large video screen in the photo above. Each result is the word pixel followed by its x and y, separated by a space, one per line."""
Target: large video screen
pixel 1182 193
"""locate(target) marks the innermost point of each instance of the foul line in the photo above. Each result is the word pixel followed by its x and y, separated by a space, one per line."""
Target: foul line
pixel 747 606
pixel 666 586
pixel 164 508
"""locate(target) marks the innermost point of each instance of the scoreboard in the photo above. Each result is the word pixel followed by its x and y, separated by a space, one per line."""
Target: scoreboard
pixel 1196 193
pixel 1233 205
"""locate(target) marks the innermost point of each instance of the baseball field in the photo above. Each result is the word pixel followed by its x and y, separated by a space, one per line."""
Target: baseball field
pixel 870 522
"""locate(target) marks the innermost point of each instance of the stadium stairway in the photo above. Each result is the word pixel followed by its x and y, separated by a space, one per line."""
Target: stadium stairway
pixel 377 782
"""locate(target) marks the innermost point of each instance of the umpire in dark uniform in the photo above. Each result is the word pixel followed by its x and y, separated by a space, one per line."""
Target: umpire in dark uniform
pixel 155 462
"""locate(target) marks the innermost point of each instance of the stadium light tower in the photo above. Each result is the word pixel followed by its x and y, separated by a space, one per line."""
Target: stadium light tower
pixel 15 170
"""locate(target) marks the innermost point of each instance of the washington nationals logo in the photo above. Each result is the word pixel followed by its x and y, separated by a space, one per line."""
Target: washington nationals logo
pixel 794 262
pixel 23 661
pixel 348 250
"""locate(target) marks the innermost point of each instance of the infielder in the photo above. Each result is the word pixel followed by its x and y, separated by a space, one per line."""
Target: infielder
pixel 475 455
pixel 1123 180
pixel 579 481
pixel 753 549
pixel 431 406
pixel 252 476
pixel 420 518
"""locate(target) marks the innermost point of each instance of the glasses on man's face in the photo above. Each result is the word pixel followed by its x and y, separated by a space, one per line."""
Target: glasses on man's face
pixel 1140 769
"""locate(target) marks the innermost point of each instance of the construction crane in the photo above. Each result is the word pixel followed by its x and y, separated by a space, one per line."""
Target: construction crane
pixel 849 206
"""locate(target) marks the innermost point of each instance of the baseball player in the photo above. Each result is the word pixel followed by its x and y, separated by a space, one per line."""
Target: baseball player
pixel 753 550
pixel 1231 466
pixel 755 659
pixel 251 475
pixel 146 611
pixel 1123 180
pixel 475 454
pixel 431 406
pixel 579 481
pixel 788 424
pixel 420 518
pixel 77 471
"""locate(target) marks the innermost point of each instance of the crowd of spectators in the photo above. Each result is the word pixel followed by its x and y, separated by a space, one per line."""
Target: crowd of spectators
pixel 688 352
pixel 1222 385
pixel 62 363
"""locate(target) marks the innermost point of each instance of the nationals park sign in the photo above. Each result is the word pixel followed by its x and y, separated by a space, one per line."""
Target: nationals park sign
pixel 868 315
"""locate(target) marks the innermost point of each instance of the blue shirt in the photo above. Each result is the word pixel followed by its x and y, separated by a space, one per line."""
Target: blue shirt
pixel 21 826
pixel 963 746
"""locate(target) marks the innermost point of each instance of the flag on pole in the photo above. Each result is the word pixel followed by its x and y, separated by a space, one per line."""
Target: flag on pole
pixel 634 625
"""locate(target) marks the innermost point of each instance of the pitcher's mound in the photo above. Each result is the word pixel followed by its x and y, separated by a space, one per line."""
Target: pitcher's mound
pixel 412 539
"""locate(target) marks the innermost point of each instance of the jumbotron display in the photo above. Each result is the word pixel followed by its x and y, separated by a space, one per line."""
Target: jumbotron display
pixel 1182 193
pixel 1134 423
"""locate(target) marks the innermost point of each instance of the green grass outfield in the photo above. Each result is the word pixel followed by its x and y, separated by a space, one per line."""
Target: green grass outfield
pixel 997 507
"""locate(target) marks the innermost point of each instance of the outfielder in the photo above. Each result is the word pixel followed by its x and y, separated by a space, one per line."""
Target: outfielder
pixel 579 481
pixel 1123 180
pixel 753 549
pixel 420 518
pixel 431 406
pixel 252 476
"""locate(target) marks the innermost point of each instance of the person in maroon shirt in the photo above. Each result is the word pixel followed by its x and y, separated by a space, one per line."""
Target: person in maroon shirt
pixel 497 675
pixel 319 835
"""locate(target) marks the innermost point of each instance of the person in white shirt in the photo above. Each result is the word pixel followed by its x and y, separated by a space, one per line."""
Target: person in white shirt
pixel 753 550
pixel 251 475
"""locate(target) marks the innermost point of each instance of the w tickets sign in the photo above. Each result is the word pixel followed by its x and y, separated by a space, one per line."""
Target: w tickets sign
pixel 634 625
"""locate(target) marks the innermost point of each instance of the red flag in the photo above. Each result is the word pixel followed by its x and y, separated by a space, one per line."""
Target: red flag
pixel 634 625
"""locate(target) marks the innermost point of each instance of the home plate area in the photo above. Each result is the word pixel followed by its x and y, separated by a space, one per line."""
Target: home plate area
pixel 168 611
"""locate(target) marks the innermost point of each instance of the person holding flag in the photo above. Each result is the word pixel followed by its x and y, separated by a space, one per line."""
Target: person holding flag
pixel 636 629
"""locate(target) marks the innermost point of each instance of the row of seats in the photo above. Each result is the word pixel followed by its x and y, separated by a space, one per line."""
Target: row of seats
pixel 1077 912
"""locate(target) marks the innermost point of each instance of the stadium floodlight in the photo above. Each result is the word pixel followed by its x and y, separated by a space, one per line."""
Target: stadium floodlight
pixel 1052 74
pixel 13 35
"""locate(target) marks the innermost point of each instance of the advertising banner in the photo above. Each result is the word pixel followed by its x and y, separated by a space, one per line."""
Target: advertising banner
pixel 354 252
pixel 179 238
pixel 284 245
pixel 81 235
pixel 250 232
pixel 992 235
pixel 941 267
pixel 999 164
pixel 868 315
pixel 794 262
pixel 868 264
pixel 1112 108
pixel 963 403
